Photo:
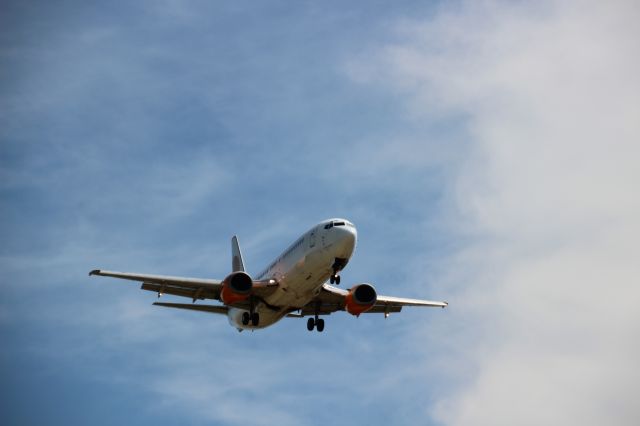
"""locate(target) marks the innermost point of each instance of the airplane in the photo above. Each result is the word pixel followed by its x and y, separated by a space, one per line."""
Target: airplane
pixel 293 285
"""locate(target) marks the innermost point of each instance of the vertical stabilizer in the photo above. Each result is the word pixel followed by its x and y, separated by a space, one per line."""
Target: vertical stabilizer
pixel 237 264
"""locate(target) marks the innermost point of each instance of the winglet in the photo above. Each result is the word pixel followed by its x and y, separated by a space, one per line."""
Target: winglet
pixel 94 272
pixel 237 264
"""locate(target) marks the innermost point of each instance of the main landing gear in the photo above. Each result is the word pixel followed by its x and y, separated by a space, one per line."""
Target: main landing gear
pixel 334 279
pixel 251 317
pixel 316 322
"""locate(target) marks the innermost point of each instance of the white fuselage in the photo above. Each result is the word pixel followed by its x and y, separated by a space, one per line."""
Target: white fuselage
pixel 301 270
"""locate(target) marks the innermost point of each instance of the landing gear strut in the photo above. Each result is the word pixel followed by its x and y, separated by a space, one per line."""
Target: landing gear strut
pixel 338 265
pixel 251 316
pixel 316 322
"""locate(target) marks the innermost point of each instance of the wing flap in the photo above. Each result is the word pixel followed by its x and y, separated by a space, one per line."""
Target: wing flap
pixel 328 309
pixel 384 309
pixel 321 309
pixel 193 293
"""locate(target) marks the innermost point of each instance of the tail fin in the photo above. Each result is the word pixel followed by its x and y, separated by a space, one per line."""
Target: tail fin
pixel 237 264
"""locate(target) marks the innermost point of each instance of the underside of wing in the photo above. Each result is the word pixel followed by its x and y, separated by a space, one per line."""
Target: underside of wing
pixel 332 299
pixel 402 301
pixel 193 288
pixel 159 279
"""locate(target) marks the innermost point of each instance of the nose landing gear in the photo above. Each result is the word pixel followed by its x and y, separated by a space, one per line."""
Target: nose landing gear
pixel 338 265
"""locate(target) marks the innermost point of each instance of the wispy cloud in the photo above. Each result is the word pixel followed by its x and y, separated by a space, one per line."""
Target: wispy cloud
pixel 142 138
pixel 545 197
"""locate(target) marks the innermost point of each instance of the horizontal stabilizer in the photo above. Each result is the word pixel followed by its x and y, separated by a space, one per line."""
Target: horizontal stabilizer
pixel 212 309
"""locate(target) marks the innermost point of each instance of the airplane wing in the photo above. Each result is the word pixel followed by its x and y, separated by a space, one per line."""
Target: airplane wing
pixel 193 288
pixel 332 299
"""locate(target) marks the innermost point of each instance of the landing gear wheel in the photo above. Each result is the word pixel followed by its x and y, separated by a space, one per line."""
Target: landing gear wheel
pixel 310 324
pixel 337 279
pixel 332 279
pixel 246 318
pixel 320 325
pixel 255 319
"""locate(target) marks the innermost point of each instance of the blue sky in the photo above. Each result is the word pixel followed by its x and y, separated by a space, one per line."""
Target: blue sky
pixel 480 148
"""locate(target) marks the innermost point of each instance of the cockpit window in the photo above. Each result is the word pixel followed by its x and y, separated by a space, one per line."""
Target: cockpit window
pixel 332 224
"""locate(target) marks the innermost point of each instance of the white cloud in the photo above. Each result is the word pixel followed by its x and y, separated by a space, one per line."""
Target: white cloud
pixel 543 316
pixel 544 298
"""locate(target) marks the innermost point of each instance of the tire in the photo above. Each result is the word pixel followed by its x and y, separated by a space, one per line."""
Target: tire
pixel 245 318
pixel 255 319
pixel 320 325
pixel 337 279
pixel 310 324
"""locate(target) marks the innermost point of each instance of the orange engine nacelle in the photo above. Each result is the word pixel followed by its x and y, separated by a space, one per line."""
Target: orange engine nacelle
pixel 236 288
pixel 360 299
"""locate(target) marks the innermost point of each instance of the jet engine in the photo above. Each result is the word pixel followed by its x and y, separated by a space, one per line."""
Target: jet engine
pixel 236 288
pixel 360 299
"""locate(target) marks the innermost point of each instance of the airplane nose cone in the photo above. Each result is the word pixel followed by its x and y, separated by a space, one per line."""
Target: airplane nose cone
pixel 348 237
